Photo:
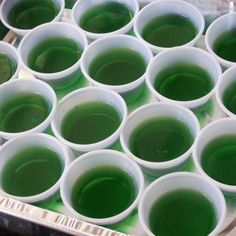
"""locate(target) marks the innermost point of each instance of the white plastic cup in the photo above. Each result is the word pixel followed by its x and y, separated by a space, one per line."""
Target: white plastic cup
pixel 14 146
pixel 176 181
pixel 7 5
pixel 227 78
pixel 214 130
pixel 14 87
pixel 12 53
pixel 88 95
pixel 45 32
pixel 100 158
pixel 159 110
pixel 112 42
pixel 187 55
pixel 163 7
pixel 216 29
pixel 81 6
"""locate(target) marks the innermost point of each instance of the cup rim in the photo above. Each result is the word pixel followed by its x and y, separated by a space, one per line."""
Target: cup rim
pixel 54 75
pixel 99 35
pixel 55 187
pixel 219 100
pixel 226 188
pixel 176 175
pixel 118 88
pixel 166 164
pixel 191 103
pixel 97 145
pixel 47 119
pixel 17 58
pixel 157 49
pixel 25 31
pixel 222 61
pixel 117 217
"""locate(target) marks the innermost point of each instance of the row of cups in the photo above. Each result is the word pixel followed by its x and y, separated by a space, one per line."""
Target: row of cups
pixel 73 169
pixel 140 19
pixel 161 61
pixel 127 125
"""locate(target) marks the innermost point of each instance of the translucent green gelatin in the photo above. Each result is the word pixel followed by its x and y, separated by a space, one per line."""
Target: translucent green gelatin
pixel 106 17
pixel 103 192
pixel 182 212
pixel 218 159
pixel 7 68
pixel 183 82
pixel 229 97
pixel 31 171
pixel 27 14
pixel 160 139
pixel 117 66
pixel 169 31
pixel 22 112
pixel 54 55
pixel 90 123
pixel 225 45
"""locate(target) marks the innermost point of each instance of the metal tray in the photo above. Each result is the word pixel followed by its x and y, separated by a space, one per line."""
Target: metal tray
pixel 54 215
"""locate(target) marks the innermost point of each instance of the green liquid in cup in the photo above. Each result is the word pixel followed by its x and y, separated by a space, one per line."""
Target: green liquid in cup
pixel 31 171
pixel 106 17
pixel 225 45
pixel 183 82
pixel 169 31
pixel 23 112
pixel 54 55
pixel 160 139
pixel 7 68
pixel 229 97
pixel 103 192
pixel 182 212
pixel 27 14
pixel 117 66
pixel 90 123
pixel 218 159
